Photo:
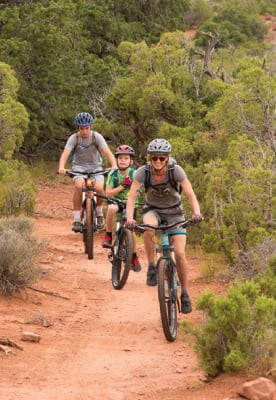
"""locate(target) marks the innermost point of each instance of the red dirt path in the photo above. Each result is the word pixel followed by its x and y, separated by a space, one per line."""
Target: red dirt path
pixel 96 343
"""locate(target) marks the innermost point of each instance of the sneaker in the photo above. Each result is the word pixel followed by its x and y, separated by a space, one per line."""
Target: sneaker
pixel 135 266
pixel 100 221
pixel 151 276
pixel 107 242
pixel 77 226
pixel 186 306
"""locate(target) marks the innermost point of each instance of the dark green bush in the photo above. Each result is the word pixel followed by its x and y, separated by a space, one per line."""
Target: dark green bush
pixel 240 328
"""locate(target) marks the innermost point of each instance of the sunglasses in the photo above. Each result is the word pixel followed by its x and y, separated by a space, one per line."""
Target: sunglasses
pixel 160 158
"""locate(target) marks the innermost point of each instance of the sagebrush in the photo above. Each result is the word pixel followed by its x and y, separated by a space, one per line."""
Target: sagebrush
pixel 19 250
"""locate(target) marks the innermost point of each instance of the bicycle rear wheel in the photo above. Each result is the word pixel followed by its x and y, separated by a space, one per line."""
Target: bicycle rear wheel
pixel 167 299
pixel 122 258
pixel 89 231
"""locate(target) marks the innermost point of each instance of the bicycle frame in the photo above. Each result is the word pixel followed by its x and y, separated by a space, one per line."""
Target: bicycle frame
pixel 88 208
pixel 121 250
pixel 167 278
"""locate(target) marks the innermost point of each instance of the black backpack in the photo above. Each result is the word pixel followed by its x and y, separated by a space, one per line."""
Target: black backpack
pixel 172 180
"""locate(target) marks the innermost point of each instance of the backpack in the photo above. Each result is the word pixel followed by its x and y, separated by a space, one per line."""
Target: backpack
pixel 172 181
pixel 116 178
pixel 77 146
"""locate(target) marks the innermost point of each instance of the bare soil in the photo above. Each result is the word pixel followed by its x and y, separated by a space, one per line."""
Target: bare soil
pixel 97 342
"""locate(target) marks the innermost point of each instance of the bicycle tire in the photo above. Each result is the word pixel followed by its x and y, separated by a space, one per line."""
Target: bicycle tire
pixel 83 219
pixel 122 258
pixel 167 304
pixel 89 235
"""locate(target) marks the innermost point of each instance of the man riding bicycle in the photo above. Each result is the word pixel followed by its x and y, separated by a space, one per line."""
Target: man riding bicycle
pixel 87 146
pixel 163 205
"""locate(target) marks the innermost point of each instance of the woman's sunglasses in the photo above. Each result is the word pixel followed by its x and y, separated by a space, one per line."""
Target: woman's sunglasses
pixel 160 158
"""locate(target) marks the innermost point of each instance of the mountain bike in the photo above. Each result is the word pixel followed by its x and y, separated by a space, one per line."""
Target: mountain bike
pixel 88 208
pixel 166 278
pixel 121 249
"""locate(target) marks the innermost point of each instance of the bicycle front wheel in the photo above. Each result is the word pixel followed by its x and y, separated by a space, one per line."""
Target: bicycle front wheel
pixel 122 258
pixel 89 231
pixel 167 300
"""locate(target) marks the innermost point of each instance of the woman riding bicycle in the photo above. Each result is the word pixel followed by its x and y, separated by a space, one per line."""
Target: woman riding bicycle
pixel 163 205
pixel 117 185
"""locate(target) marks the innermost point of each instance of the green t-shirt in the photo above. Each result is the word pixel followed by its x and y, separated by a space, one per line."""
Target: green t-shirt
pixel 113 182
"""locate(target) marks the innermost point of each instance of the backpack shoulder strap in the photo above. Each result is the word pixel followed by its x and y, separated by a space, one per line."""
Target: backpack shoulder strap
pixel 146 177
pixel 115 178
pixel 131 173
pixel 172 180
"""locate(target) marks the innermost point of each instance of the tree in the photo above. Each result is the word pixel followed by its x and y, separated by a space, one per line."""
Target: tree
pixel 14 118
pixel 240 196
pixel 248 105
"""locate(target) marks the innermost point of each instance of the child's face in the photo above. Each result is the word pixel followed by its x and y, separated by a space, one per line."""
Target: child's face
pixel 85 130
pixel 123 161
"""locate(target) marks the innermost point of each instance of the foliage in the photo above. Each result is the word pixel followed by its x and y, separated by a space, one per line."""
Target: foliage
pixel 240 197
pixel 18 253
pixel 13 115
pixel 157 97
pixel 256 260
pixel 199 12
pixel 234 27
pixel 240 328
pixel 17 192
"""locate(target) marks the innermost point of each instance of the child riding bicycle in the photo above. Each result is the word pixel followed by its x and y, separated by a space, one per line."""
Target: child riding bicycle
pixel 118 185
pixel 87 146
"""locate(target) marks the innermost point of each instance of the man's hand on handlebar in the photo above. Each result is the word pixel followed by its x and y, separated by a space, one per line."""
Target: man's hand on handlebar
pixel 62 171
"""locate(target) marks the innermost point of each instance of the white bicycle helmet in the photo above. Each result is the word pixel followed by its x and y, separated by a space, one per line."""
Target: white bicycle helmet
pixel 159 146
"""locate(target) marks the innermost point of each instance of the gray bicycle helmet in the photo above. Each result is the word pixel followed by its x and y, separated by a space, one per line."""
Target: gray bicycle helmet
pixel 124 149
pixel 84 119
pixel 159 146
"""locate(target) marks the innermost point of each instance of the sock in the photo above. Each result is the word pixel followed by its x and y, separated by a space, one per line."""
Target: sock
pixel 76 214
pixel 109 234
pixel 99 209
pixel 151 264
pixel 184 291
pixel 134 255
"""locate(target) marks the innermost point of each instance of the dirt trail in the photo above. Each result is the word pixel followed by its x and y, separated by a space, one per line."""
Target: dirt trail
pixel 96 342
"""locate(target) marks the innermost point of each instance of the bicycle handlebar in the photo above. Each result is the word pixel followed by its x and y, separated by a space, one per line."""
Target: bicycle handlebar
pixel 87 174
pixel 184 224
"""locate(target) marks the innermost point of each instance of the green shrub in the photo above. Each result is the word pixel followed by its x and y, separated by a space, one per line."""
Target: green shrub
pixel 17 192
pixel 255 260
pixel 18 251
pixel 240 329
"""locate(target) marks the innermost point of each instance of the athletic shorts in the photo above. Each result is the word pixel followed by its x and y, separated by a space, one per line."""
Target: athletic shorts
pixel 168 216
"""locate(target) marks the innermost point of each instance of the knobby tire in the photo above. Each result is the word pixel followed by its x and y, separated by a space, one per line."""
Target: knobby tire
pixel 89 236
pixel 122 258
pixel 168 305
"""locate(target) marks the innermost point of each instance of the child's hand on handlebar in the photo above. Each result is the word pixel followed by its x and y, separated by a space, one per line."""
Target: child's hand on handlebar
pixel 130 224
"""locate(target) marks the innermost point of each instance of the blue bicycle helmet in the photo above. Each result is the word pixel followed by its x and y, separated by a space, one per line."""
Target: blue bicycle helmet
pixel 84 119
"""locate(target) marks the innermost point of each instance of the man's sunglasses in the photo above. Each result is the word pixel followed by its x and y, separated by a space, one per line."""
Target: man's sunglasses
pixel 155 158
